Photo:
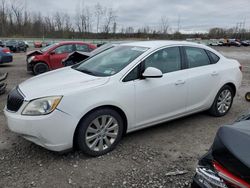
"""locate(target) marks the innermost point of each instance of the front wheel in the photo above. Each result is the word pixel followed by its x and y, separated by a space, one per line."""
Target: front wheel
pixel 40 68
pixel 99 132
pixel 223 102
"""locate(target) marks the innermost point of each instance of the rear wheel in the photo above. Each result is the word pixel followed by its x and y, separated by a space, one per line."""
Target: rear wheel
pixel 223 102
pixel 100 132
pixel 40 68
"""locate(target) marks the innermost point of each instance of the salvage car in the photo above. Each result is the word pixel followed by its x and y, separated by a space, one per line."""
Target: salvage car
pixel 5 55
pixel 50 58
pixel 227 163
pixel 16 46
pixel 91 105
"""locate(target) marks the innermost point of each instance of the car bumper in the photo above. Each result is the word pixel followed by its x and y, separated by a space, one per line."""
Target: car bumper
pixel 54 131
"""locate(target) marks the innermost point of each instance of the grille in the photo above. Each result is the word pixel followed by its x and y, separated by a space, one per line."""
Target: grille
pixel 15 100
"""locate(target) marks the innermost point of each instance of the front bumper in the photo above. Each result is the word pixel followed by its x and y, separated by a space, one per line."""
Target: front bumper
pixel 54 131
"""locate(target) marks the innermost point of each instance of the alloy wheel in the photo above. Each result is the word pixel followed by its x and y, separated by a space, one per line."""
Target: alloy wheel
pixel 224 101
pixel 101 133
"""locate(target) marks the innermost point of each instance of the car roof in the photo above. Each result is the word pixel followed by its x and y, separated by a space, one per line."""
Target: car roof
pixel 71 42
pixel 161 43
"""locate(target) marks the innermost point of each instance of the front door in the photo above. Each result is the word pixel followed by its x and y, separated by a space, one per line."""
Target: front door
pixel 159 99
pixel 59 54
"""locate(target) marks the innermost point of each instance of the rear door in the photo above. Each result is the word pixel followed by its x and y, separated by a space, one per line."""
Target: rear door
pixel 58 54
pixel 203 78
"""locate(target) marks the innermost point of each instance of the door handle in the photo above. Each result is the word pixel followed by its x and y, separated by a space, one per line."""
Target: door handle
pixel 180 82
pixel 214 73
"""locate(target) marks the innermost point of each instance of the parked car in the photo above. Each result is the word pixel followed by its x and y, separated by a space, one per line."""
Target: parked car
pixel 227 163
pixel 5 55
pixel 245 43
pixel 91 105
pixel 214 42
pixel 16 46
pixel 78 56
pixel 50 58
pixel 234 42
pixel 38 44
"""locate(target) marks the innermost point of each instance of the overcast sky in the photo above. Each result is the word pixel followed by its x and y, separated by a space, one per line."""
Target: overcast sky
pixel 195 15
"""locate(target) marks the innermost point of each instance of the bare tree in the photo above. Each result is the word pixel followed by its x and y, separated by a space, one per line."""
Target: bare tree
pixel 99 11
pixel 164 25
pixel 109 19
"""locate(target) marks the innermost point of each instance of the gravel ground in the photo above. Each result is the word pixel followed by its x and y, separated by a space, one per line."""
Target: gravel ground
pixel 145 158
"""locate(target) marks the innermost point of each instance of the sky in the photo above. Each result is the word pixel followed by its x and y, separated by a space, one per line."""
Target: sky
pixel 193 15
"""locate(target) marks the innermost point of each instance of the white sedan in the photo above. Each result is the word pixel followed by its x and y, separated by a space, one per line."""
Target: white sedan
pixel 91 105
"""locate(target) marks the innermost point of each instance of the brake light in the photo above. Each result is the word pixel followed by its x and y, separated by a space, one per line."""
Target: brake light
pixel 6 50
pixel 229 178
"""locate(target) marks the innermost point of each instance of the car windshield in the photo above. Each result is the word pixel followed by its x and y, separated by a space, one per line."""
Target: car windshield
pixel 48 47
pixel 111 61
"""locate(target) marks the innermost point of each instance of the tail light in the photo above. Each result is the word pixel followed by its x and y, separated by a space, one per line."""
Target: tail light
pixel 6 50
pixel 230 179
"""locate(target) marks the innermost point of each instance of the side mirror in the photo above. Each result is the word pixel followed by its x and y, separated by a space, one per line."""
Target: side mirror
pixel 52 53
pixel 152 72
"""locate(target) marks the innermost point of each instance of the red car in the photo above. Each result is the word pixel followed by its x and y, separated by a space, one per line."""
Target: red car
pixel 50 57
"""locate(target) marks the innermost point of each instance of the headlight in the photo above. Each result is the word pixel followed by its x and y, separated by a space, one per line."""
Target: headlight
pixel 42 106
pixel 30 59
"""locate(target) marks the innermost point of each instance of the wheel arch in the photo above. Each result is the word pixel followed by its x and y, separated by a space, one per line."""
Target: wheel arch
pixel 232 85
pixel 117 109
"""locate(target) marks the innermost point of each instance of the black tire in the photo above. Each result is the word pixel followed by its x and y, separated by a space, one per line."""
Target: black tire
pixel 247 96
pixel 40 68
pixel 214 108
pixel 81 134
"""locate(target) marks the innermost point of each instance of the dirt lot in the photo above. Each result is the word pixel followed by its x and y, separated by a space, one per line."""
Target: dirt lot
pixel 143 158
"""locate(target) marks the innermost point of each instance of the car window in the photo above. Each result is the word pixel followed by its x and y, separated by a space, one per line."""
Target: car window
pixel 196 57
pixel 68 48
pixel 213 56
pixel 167 60
pixel 133 75
pixel 82 47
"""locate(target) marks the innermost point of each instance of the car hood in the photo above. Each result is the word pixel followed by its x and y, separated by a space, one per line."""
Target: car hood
pixel 34 52
pixel 59 82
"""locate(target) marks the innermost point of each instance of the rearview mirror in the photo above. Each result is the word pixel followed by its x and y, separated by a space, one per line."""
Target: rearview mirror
pixel 152 72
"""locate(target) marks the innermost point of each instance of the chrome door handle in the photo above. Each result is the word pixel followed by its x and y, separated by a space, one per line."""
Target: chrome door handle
pixel 180 82
pixel 215 73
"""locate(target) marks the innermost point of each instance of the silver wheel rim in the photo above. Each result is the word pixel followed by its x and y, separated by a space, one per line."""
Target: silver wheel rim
pixel 224 101
pixel 101 133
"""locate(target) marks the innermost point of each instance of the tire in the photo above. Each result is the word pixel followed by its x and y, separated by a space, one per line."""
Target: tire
pixel 219 108
pixel 99 142
pixel 40 68
pixel 247 96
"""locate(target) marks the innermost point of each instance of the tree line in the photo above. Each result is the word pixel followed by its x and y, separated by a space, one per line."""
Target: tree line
pixel 89 22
